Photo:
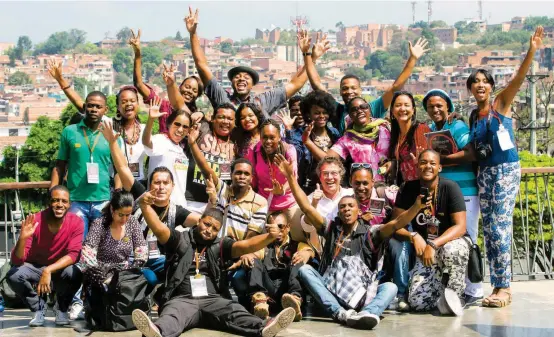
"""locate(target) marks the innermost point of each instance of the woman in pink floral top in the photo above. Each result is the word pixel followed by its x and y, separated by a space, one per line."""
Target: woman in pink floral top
pixel 407 137
pixel 367 141
pixel 114 237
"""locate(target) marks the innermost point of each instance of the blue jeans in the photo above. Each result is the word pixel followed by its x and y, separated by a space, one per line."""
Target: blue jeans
pixel 314 282
pixel 157 266
pixel 400 253
pixel 88 211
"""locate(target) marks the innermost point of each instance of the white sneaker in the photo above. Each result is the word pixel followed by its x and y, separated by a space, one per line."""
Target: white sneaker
pixel 279 323
pixel 343 315
pixel 62 318
pixel 403 305
pixel 363 320
pixel 38 320
pixel 76 311
pixel 393 305
pixel 144 324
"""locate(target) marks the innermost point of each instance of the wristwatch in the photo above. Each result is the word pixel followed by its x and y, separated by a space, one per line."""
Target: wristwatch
pixel 412 236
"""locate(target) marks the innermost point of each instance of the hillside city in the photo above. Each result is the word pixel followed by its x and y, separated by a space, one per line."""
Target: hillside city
pixel 374 52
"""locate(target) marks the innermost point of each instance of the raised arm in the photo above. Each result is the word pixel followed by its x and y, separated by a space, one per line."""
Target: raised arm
pixel 153 222
pixel 304 43
pixel 55 70
pixel 464 156
pixel 134 41
pixel 317 153
pixel 505 97
pixel 58 173
pixel 298 80
pixel 255 243
pixel 177 101
pixel 416 51
pixel 403 219
pixel 153 114
pixel 311 213
pixel 119 161
pixel 197 53
pixel 206 170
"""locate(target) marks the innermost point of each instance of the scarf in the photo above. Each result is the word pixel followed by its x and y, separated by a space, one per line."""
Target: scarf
pixel 172 211
pixel 369 131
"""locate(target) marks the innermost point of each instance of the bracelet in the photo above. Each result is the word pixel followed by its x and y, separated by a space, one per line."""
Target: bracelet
pixel 432 244
pixel 306 54
pixel 65 88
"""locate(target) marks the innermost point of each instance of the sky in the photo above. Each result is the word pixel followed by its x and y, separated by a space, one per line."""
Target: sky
pixel 234 19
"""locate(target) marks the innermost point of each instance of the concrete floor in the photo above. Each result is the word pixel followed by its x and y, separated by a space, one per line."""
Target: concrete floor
pixel 530 315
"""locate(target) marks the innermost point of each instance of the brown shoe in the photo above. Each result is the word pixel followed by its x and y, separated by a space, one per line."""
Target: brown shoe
pixel 261 308
pixel 292 301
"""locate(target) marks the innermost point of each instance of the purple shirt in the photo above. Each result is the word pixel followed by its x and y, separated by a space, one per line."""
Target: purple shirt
pixel 363 150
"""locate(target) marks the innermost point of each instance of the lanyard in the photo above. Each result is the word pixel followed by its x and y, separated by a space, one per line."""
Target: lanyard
pixel 435 204
pixel 489 116
pixel 96 139
pixel 339 244
pixel 197 257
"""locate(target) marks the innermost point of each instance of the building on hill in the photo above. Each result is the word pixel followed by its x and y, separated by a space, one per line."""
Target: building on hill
pixel 272 36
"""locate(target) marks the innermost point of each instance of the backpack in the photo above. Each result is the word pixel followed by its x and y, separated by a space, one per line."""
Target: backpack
pixel 109 308
pixel 11 300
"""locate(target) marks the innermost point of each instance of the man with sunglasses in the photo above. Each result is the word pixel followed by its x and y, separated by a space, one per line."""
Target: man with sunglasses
pixel 275 277
pixel 347 238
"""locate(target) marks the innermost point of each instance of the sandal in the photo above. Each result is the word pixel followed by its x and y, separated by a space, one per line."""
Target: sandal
pixel 487 300
pixel 503 298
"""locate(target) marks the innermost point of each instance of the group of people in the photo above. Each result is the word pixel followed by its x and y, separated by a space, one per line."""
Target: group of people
pixel 275 203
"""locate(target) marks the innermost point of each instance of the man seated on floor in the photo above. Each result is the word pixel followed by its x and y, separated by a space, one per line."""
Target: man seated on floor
pixel 45 254
pixel 276 276
pixel 442 252
pixel 346 285
pixel 161 185
pixel 195 293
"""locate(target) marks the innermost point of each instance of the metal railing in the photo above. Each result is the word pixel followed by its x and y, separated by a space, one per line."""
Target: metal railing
pixel 533 234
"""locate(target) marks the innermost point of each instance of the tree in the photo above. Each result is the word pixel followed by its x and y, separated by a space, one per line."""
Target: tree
pixel 123 61
pixel 124 35
pixel 178 36
pixel 393 67
pixel 428 34
pixel 152 55
pixel 376 61
pixel 438 24
pixel 503 38
pixel 87 48
pixel 79 85
pixel 287 38
pixel 19 78
pixel 226 47
pixel 121 79
pixel 339 25
pixel 420 24
pixel 532 22
pixel 11 54
pixel 149 70
pixel 363 75
pixel 24 42
pixel 26 116
pixel 60 42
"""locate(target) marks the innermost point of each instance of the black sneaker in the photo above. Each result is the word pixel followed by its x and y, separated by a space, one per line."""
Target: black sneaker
pixel 472 300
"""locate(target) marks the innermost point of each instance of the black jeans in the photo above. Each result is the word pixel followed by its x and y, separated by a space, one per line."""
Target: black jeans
pixel 274 282
pixel 213 312
pixel 64 282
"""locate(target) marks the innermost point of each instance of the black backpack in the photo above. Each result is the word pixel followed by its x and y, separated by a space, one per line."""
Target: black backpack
pixel 11 300
pixel 110 309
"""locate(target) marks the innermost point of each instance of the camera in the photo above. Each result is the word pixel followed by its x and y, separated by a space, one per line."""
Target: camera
pixel 483 150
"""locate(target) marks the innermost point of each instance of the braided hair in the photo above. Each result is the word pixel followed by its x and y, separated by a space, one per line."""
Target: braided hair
pixel 280 146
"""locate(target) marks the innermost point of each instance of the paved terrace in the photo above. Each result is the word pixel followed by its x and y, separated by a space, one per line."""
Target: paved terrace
pixel 530 315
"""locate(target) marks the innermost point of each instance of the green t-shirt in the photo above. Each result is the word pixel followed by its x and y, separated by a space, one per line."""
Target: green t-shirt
pixel 75 151
pixel 377 107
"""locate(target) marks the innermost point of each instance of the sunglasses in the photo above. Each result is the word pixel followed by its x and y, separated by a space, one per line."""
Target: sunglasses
pixel 282 226
pixel 364 106
pixel 358 166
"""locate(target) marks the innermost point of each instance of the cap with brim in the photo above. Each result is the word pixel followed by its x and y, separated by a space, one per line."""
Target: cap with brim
pixel 243 69
pixel 440 93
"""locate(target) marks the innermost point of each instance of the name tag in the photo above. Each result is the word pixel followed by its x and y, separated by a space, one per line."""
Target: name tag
pixel 134 167
pixel 225 171
pixel 152 242
pixel 432 229
pixel 198 286
pixel 504 139
pixel 93 173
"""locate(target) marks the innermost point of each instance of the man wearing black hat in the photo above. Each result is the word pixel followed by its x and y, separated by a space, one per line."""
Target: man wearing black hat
pixel 244 78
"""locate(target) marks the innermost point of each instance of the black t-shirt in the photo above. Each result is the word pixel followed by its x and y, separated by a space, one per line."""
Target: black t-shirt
pixel 450 200
pixel 226 254
pixel 219 156
pixel 181 213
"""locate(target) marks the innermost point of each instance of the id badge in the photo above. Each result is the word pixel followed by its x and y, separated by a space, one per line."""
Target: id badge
pixel 432 229
pixel 198 286
pixel 225 171
pixel 152 242
pixel 93 173
pixel 504 139
pixel 134 167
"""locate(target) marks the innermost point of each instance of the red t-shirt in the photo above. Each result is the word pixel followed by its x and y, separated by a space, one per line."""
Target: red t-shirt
pixel 45 248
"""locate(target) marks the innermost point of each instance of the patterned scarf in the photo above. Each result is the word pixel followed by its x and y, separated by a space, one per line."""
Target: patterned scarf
pixel 170 217
pixel 369 131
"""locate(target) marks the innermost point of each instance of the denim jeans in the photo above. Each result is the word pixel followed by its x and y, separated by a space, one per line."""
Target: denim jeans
pixel 400 253
pixel 157 266
pixel 88 211
pixel 313 281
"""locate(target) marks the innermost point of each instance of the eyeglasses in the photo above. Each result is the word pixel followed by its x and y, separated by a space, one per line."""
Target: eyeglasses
pixel 330 173
pixel 283 225
pixel 364 106
pixel 358 166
